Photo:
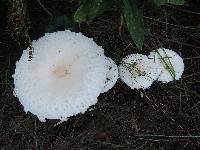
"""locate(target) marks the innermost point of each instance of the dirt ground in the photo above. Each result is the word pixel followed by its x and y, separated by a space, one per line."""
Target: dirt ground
pixel 163 117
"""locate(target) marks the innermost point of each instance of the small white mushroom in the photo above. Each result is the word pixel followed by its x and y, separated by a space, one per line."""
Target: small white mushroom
pixel 170 62
pixel 111 75
pixel 138 72
pixel 65 76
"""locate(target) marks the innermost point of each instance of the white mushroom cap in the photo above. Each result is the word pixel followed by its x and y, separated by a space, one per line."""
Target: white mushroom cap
pixel 64 77
pixel 111 75
pixel 170 62
pixel 138 72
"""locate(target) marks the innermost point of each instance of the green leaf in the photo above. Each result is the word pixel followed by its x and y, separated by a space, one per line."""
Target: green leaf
pixel 60 22
pixel 173 2
pixel 134 21
pixel 89 9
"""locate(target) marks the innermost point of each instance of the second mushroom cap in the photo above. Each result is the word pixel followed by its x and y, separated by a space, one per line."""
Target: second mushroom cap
pixel 138 71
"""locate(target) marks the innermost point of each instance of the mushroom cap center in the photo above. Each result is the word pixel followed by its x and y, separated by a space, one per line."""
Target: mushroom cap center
pixel 62 71
pixel 136 69
pixel 140 70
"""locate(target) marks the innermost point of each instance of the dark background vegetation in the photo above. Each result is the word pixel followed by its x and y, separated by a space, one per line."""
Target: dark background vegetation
pixel 166 116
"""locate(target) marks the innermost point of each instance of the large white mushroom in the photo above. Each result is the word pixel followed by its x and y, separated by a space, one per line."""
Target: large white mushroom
pixel 138 72
pixel 170 62
pixel 111 75
pixel 65 76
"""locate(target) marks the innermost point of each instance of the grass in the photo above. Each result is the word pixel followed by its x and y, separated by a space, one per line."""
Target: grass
pixel 167 116
pixel 167 63
pixel 18 21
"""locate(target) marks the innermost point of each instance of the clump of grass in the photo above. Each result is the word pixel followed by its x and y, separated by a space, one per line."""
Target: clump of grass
pixel 167 64
pixel 18 21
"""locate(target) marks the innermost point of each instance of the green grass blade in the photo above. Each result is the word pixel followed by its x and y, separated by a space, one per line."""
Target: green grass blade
pixel 168 64
pixel 173 2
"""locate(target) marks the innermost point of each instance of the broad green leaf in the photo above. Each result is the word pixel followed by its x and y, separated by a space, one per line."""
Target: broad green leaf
pixel 60 22
pixel 134 21
pixel 173 2
pixel 89 9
